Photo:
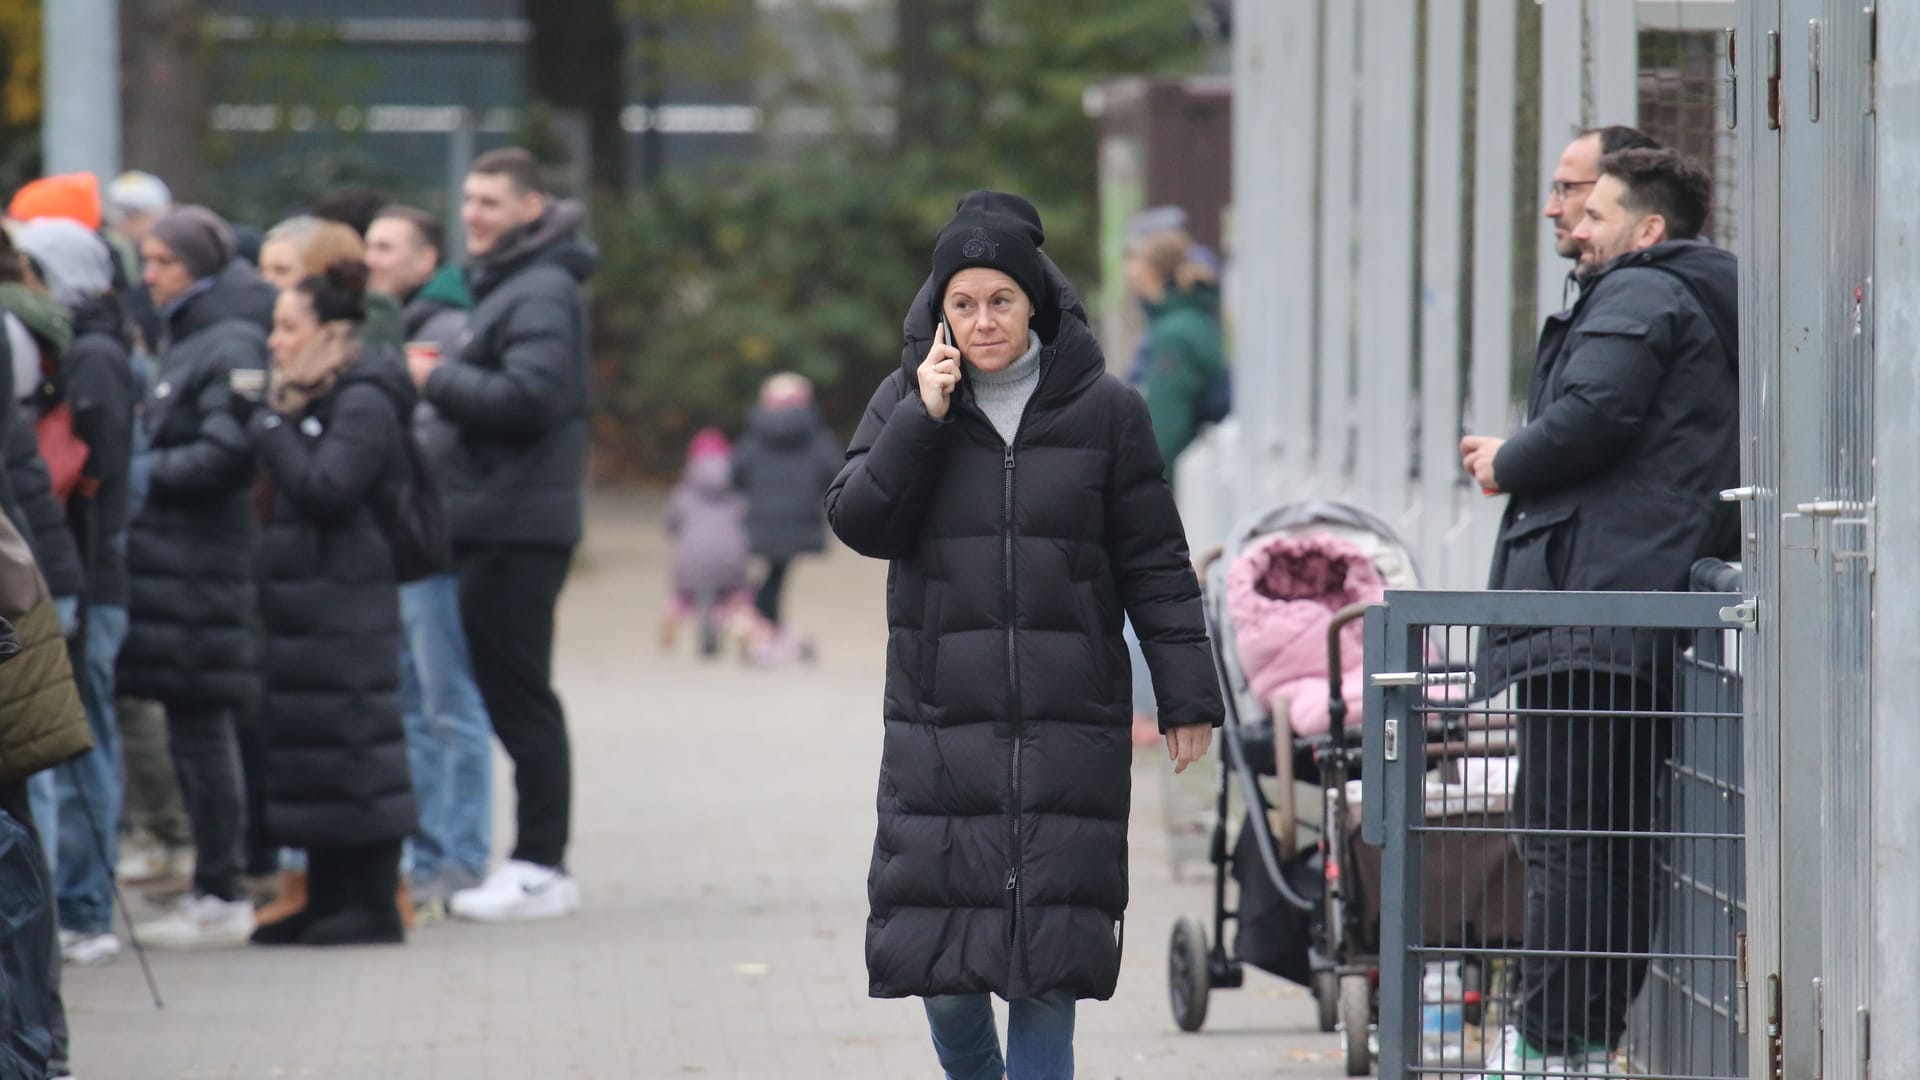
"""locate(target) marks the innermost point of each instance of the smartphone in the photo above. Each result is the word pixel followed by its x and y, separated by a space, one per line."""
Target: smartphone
pixel 951 340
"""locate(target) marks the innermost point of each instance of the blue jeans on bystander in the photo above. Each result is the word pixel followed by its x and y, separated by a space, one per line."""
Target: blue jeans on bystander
pixel 88 788
pixel 1039 1037
pixel 449 738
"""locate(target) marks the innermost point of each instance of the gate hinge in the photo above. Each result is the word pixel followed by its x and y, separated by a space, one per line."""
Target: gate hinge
pixel 1744 614
pixel 1740 983
pixel 1866 1043
pixel 1776 1053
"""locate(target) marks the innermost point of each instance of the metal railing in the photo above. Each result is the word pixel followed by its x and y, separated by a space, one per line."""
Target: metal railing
pixel 1563 839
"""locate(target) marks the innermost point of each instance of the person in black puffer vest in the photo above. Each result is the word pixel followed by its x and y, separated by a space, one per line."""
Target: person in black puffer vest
pixel 1018 493
pixel 192 645
pixel 331 442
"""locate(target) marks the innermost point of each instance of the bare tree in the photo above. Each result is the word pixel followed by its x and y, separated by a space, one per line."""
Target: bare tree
pixel 163 90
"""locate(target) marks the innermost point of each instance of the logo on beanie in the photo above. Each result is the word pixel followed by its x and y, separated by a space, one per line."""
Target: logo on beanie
pixel 980 247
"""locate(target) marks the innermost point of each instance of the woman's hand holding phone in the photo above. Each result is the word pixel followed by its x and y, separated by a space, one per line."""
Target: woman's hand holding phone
pixel 939 373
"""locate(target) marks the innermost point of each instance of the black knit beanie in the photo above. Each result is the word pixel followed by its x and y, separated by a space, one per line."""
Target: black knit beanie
pixel 995 230
pixel 198 237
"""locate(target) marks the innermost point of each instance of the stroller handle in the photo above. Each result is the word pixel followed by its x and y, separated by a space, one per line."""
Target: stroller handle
pixel 1336 695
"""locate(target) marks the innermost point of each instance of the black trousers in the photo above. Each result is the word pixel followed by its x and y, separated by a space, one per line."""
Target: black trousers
pixel 507 598
pixel 771 586
pixel 205 745
pixel 1594 769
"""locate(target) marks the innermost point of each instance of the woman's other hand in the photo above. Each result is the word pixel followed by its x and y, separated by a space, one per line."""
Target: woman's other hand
pixel 939 373
pixel 1187 744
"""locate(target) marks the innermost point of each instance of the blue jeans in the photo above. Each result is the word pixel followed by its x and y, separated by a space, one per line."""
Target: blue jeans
pixel 43 791
pixel 1039 1037
pixel 89 792
pixel 449 738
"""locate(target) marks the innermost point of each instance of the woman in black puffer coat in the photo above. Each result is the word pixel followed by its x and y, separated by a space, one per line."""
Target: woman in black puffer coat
pixel 1017 491
pixel 331 441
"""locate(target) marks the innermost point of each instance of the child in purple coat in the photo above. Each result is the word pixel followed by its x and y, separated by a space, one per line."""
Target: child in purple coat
pixel 707 523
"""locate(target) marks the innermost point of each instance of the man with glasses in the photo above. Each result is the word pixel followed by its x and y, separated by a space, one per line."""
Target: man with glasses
pixel 1632 431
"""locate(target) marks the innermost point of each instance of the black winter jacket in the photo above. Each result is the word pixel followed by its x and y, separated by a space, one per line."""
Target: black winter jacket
pixel 518 392
pixel 50 538
pixel 783 463
pixel 97 373
pixel 191 551
pixel 1000 862
pixel 1633 431
pixel 336 750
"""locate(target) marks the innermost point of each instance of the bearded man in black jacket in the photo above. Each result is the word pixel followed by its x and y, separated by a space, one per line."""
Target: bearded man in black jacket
pixel 1632 432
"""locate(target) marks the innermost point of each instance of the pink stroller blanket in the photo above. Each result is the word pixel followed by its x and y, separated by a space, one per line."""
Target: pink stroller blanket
pixel 1282 594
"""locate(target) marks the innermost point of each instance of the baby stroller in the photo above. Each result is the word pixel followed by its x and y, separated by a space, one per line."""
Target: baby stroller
pixel 1308 904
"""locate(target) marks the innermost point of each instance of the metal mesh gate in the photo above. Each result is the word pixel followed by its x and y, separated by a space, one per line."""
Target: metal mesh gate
pixel 1592 750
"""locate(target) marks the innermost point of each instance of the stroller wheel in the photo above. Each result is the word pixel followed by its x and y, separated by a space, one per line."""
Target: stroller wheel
pixel 1356 1023
pixel 1187 979
pixel 1326 994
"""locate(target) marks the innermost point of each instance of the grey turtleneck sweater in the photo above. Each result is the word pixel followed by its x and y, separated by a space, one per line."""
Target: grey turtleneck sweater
pixel 1003 394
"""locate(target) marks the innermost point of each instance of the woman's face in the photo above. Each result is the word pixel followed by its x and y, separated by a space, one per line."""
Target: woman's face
pixel 280 264
pixel 1143 281
pixel 294 327
pixel 989 314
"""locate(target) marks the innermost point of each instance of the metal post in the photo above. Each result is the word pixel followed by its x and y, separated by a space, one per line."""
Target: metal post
pixel 1276 82
pixel 1385 337
pixel 1560 120
pixel 1333 345
pixel 1896 741
pixel 81 129
pixel 1441 277
pixel 1490 379
pixel 460 154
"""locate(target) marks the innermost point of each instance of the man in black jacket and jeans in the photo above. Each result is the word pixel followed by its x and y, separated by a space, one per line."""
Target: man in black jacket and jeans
pixel 1632 432
pixel 517 390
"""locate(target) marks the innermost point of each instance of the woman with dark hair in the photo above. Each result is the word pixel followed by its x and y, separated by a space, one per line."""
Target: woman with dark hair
pixel 1015 487
pixel 330 441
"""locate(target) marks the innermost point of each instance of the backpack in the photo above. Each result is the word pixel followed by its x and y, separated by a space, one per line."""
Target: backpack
pixel 415 520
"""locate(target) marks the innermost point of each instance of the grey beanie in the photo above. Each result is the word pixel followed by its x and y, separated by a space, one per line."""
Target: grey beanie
pixel 198 236
pixel 76 264
pixel 1153 221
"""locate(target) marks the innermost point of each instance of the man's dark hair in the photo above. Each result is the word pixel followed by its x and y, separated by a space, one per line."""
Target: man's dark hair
pixel 1664 182
pixel 514 163
pixel 1617 137
pixel 354 207
pixel 425 225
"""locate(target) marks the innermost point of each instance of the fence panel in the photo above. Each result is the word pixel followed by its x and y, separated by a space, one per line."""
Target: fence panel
pixel 1560 839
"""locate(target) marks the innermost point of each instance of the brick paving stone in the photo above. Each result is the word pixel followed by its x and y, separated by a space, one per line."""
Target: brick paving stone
pixel 723 822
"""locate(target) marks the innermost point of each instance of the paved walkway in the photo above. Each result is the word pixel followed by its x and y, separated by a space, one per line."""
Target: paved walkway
pixel 723 822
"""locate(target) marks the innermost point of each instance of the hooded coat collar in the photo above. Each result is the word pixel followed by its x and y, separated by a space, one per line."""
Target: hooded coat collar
pixel 551 237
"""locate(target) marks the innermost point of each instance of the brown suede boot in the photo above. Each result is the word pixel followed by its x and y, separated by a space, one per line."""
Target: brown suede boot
pixel 403 902
pixel 292 901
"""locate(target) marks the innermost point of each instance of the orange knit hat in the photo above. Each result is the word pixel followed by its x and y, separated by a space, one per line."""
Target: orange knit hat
pixel 75 196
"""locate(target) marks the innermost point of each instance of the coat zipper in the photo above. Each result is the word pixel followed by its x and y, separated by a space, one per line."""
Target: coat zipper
pixel 1018 957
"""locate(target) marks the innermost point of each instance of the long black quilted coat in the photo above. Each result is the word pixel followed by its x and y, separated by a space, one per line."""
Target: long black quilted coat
pixel 336 750
pixel 194 636
pixel 1001 858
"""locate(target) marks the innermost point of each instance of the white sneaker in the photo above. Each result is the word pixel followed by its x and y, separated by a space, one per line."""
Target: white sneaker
pixel 201 922
pixel 519 890
pixel 87 950
pixel 1513 1059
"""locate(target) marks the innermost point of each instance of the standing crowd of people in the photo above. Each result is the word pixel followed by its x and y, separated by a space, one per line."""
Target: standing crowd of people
pixel 286 518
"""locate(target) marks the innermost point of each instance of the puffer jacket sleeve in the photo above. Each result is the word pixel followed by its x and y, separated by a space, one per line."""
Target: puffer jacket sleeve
pixel 332 477
pixel 877 501
pixel 1147 546
pixel 219 458
pixel 536 385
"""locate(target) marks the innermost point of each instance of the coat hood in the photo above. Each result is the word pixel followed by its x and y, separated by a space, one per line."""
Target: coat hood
pixel 553 237
pixel 1203 298
pixel 41 314
pixel 789 428
pixel 1707 272
pixel 238 292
